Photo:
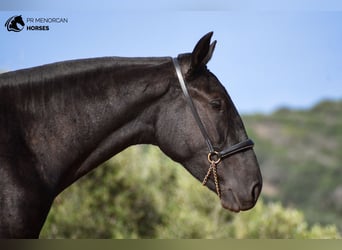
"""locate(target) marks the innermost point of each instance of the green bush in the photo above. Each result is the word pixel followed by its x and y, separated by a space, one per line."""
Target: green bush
pixel 140 193
pixel 276 222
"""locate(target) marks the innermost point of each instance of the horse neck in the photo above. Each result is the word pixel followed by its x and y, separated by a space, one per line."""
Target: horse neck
pixel 94 115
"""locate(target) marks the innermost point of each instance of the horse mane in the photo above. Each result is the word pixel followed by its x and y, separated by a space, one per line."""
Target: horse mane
pixel 50 72
pixel 30 88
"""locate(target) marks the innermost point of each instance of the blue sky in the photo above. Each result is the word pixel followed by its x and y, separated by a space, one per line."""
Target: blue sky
pixel 268 55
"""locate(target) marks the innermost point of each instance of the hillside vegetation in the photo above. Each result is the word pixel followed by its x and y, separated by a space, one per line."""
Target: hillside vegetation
pixel 301 157
pixel 140 193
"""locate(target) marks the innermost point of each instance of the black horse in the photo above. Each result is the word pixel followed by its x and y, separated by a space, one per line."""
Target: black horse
pixel 12 23
pixel 60 121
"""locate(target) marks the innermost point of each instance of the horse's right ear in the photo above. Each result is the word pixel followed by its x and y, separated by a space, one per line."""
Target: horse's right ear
pixel 202 53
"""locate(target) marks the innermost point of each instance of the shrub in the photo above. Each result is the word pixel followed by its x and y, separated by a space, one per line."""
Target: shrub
pixel 142 194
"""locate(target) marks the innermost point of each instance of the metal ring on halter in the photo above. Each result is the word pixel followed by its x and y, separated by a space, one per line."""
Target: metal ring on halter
pixel 213 154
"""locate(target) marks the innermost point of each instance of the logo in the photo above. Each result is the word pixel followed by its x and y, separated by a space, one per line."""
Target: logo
pixel 15 24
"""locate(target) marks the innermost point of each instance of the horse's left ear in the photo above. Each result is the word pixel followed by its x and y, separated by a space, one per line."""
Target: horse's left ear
pixel 202 53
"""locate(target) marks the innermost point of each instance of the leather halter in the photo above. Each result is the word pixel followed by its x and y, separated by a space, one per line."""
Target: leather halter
pixel 214 157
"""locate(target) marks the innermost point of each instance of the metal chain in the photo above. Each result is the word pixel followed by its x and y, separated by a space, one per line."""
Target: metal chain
pixel 213 167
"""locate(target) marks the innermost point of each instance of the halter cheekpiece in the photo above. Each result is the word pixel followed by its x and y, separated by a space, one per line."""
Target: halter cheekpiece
pixel 214 157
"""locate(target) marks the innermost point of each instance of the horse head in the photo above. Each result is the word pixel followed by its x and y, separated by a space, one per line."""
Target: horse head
pixel 237 178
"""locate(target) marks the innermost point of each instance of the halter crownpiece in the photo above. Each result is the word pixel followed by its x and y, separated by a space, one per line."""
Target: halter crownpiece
pixel 214 157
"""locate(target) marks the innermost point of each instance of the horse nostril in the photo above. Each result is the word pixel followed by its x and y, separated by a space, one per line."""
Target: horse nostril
pixel 256 191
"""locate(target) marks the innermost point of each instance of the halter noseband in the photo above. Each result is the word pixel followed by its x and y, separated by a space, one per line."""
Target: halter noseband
pixel 214 157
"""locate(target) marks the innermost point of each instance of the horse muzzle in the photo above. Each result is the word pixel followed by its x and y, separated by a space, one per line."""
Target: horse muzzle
pixel 236 202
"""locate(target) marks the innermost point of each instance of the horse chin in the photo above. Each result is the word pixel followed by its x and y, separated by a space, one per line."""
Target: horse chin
pixel 230 202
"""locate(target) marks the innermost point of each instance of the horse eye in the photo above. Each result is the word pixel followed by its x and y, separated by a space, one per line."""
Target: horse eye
pixel 216 104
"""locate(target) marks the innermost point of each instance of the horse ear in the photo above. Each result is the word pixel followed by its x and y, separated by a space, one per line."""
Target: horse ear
pixel 210 52
pixel 202 53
